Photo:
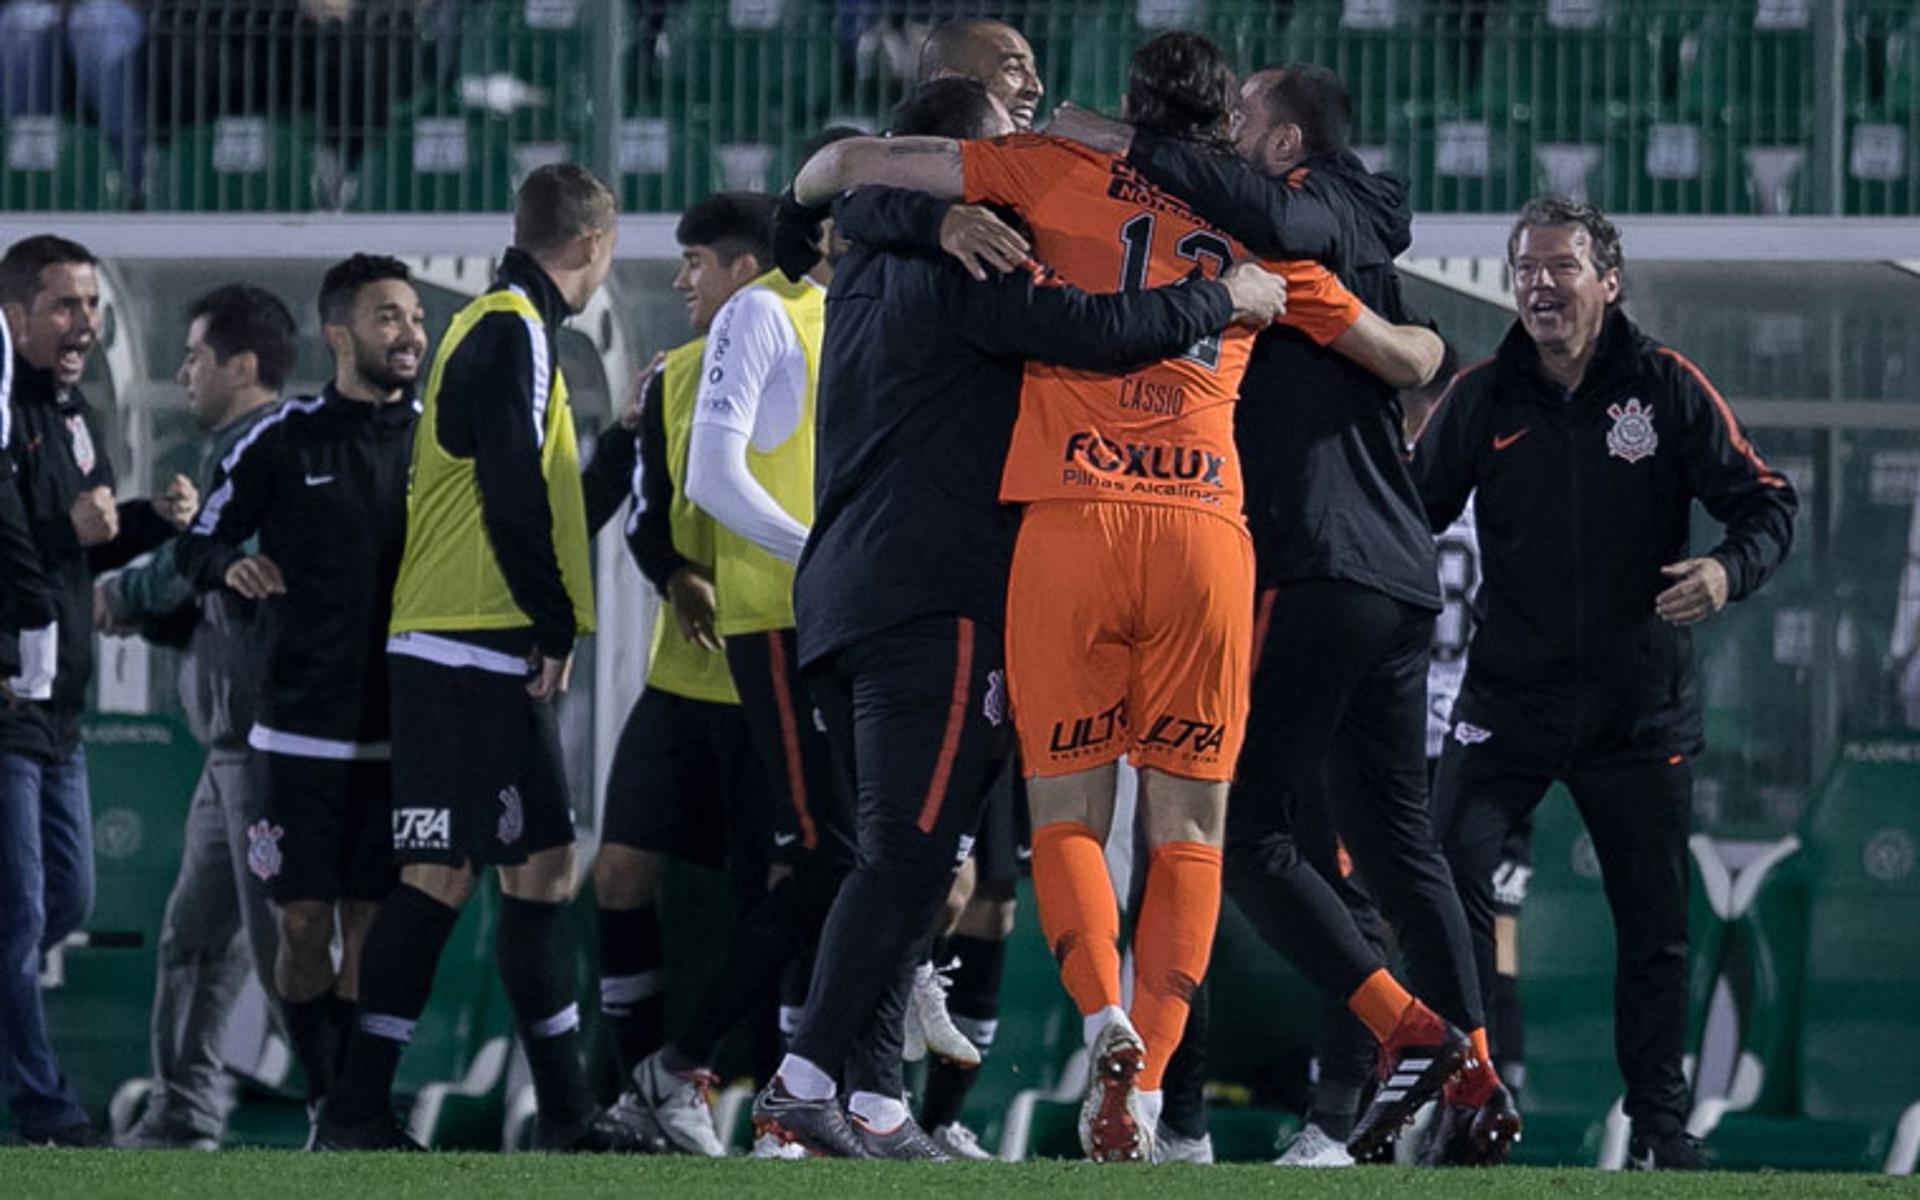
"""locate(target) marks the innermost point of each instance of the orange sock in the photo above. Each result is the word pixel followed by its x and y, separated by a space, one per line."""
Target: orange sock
pixel 1379 1002
pixel 1078 913
pixel 1474 1086
pixel 1482 1060
pixel 1171 945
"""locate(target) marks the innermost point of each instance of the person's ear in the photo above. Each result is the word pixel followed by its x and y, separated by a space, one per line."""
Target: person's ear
pixel 243 369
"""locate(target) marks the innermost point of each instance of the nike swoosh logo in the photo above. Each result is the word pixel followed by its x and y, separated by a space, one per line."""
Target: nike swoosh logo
pixel 317 480
pixel 1501 443
pixel 785 839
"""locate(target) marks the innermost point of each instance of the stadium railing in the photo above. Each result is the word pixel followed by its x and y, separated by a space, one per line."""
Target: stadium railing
pixel 1653 106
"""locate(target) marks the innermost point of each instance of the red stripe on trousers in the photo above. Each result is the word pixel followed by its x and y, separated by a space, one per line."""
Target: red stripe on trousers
pixel 1262 618
pixel 789 737
pixel 956 720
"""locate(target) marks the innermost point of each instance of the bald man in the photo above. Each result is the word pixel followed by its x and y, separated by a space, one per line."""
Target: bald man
pixel 992 52
pixel 954 1015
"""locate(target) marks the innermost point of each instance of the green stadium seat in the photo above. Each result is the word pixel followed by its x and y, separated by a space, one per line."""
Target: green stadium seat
pixel 1843 969
pixel 436 165
pixel 48 164
pixel 237 163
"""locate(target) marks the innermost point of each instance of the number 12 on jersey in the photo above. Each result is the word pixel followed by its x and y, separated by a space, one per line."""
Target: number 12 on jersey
pixel 1208 251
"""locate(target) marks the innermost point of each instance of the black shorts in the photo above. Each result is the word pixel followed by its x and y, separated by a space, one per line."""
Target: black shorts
pixel 685 779
pixel 325 836
pixel 477 775
pixel 806 813
pixel 1003 847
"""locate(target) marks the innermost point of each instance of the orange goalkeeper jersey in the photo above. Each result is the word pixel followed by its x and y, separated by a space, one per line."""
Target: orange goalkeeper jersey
pixel 1162 434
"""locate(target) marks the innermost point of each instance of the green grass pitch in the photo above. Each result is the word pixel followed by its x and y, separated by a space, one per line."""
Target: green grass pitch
pixel 284 1175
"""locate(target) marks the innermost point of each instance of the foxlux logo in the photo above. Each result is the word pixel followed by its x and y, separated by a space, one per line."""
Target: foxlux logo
pixel 1146 460
pixel 422 828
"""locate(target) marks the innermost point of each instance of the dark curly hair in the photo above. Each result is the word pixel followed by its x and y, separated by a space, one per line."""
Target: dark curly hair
pixel 1181 85
pixel 345 278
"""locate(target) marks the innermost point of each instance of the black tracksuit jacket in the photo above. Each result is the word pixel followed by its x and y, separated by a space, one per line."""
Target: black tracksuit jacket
pixel 1321 442
pixel 1581 498
pixel 323 482
pixel 59 450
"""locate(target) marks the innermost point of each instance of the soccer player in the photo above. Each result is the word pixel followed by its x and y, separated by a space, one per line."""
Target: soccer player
pixel 50 290
pixel 241 344
pixel 901 593
pixel 686 783
pixel 749 465
pixel 1344 556
pixel 992 52
pixel 1581 669
pixel 493 588
pixel 1141 649
pixel 319 488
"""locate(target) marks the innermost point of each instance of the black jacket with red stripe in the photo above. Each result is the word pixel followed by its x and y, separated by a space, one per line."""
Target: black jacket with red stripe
pixel 1581 498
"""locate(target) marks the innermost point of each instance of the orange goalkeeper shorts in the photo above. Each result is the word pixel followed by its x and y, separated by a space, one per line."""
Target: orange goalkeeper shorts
pixel 1129 631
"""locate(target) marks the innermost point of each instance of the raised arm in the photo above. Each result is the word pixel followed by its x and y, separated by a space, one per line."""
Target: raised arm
pixel 930 165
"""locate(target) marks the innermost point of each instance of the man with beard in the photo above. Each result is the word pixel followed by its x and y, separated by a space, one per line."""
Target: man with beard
pixel 50 289
pixel 241 345
pixel 493 590
pixel 1348 593
pixel 322 484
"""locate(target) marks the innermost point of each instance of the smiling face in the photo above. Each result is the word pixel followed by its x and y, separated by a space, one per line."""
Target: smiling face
pixel 707 278
pixel 58 329
pixel 384 342
pixel 1561 296
pixel 1000 58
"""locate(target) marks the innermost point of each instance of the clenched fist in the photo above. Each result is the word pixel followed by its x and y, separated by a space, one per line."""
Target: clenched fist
pixel 96 520
pixel 179 503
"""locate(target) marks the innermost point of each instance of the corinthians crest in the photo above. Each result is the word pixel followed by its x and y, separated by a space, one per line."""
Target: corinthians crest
pixel 1632 436
pixel 263 849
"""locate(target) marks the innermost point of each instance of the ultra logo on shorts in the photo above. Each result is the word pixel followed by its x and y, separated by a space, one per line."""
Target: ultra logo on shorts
pixel 1180 733
pixel 1084 735
pixel 422 829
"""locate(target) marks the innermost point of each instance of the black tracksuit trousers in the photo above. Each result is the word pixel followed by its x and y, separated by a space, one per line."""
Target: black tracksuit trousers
pixel 1339 711
pixel 1637 812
